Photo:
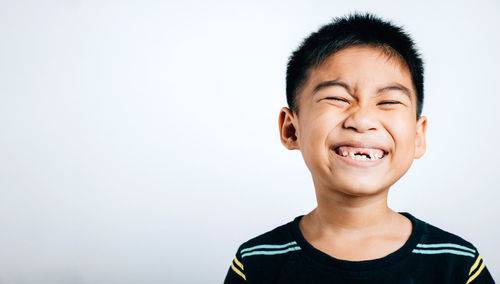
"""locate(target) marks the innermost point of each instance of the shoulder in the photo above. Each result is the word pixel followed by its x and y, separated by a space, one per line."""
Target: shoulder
pixel 437 247
pixel 274 242
pixel 258 257
pixel 434 237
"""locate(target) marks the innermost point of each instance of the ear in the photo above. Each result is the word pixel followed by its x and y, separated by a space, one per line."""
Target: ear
pixel 420 137
pixel 288 130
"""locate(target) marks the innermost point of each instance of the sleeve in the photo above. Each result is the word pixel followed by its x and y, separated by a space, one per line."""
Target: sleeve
pixel 236 272
pixel 478 273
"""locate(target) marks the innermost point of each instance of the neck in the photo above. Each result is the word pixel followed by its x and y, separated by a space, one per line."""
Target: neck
pixel 344 214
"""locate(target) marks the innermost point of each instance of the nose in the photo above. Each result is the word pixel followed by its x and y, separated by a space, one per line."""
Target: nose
pixel 361 120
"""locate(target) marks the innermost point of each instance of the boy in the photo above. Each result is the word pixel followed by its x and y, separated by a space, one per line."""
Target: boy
pixel 355 94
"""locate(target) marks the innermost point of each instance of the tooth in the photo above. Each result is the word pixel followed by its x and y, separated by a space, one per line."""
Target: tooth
pixel 351 154
pixel 372 156
pixel 344 153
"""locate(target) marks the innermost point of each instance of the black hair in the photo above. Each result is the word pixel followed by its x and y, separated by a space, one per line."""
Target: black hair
pixel 353 30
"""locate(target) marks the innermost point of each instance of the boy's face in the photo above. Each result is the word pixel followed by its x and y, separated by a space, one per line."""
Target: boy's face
pixel 357 127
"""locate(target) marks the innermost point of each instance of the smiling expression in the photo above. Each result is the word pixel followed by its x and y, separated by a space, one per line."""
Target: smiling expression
pixel 357 129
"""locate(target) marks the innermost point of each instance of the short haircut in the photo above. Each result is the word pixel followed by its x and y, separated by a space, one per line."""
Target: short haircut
pixel 353 30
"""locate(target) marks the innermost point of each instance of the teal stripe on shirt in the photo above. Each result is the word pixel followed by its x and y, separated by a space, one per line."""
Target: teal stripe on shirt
pixel 270 252
pixel 445 245
pixel 269 247
pixel 441 251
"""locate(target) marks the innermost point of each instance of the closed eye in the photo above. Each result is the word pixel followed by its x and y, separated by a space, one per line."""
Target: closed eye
pixel 337 99
pixel 389 103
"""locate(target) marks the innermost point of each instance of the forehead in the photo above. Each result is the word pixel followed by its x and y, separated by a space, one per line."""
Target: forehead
pixel 362 67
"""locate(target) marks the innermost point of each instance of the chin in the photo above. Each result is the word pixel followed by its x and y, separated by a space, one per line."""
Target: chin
pixel 361 188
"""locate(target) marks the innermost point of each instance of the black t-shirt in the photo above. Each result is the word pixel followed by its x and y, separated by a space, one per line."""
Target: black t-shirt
pixel 430 255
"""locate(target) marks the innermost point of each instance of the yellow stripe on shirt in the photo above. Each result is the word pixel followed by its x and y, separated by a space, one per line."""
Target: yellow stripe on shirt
pixel 238 263
pixel 238 271
pixel 476 274
pixel 475 264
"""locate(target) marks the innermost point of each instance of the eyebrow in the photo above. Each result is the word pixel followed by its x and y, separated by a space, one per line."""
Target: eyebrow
pixel 325 84
pixel 396 87
pixel 349 89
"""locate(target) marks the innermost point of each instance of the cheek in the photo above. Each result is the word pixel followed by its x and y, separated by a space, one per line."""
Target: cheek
pixel 314 138
pixel 318 129
pixel 403 132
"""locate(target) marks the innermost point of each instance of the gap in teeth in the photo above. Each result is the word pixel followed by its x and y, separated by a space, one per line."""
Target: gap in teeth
pixel 360 156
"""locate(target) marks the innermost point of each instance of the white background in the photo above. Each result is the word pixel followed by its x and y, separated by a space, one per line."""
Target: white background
pixel 139 139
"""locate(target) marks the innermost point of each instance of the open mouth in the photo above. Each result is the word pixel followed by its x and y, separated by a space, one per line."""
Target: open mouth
pixel 360 154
